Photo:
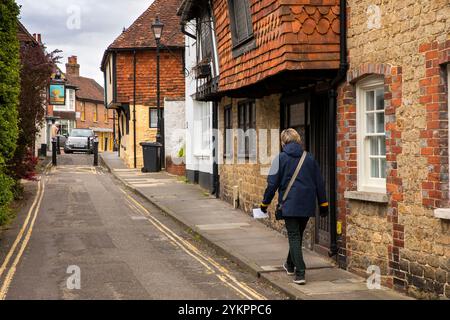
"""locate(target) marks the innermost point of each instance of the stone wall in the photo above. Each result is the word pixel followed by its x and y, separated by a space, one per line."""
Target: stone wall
pixel 407 42
pixel 143 133
pixel 249 180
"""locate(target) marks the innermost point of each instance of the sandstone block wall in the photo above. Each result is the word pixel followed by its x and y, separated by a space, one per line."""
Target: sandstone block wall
pixel 407 42
pixel 143 133
pixel 250 179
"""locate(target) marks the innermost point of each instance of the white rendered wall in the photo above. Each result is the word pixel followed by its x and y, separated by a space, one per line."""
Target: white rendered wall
pixel 197 158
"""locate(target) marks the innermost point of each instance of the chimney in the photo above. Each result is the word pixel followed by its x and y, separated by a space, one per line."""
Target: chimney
pixel 72 67
pixel 39 38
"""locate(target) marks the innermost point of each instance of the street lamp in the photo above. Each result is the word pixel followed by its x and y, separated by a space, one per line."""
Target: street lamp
pixel 157 28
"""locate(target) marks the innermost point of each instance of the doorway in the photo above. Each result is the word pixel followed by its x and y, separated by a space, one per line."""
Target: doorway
pixel 308 114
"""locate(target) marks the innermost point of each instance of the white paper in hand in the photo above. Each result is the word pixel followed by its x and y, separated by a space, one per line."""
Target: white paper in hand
pixel 258 214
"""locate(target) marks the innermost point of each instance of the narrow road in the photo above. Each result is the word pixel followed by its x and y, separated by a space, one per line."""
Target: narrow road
pixel 84 236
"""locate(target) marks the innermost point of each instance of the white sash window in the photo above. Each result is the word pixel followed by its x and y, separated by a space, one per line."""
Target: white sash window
pixel 371 135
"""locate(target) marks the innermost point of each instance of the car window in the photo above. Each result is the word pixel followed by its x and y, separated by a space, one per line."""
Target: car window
pixel 81 133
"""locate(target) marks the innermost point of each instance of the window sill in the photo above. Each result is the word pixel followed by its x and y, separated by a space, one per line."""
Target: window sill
pixel 443 213
pixel 376 197
pixel 204 155
pixel 244 47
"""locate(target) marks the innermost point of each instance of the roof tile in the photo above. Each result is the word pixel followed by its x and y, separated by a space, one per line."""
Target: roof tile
pixel 88 89
pixel 140 35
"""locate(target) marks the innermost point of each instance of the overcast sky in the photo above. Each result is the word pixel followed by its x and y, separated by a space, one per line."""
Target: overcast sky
pixel 81 27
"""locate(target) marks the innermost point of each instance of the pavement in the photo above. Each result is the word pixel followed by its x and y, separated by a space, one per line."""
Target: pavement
pixel 81 235
pixel 246 241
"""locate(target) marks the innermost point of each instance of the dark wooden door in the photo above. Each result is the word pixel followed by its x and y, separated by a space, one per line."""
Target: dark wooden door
pixel 308 114
pixel 319 147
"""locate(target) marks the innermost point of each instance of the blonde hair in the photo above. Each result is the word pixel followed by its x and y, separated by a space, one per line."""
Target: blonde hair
pixel 289 136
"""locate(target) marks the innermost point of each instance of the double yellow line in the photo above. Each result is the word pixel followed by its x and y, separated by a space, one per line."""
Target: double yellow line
pixel 212 266
pixel 21 240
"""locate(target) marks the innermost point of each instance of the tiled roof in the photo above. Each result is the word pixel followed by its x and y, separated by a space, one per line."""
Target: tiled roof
pixel 23 35
pixel 88 89
pixel 140 35
pixel 289 36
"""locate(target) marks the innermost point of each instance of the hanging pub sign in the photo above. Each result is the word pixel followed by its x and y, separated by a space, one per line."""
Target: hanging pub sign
pixel 57 94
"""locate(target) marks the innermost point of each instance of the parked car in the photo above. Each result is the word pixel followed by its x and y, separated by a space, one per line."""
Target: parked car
pixel 62 139
pixel 80 140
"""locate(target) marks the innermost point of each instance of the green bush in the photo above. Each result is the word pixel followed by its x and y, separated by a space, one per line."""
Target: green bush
pixel 6 195
pixel 9 96
pixel 181 153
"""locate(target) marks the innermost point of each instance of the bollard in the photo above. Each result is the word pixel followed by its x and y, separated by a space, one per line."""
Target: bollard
pixel 58 148
pixel 89 144
pixel 54 153
pixel 95 153
pixel 44 150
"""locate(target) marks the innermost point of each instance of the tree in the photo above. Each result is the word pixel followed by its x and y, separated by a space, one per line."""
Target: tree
pixel 37 68
pixel 9 97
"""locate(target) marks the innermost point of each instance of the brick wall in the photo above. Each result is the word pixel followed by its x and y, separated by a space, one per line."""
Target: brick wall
pixel 89 115
pixel 249 179
pixel 171 76
pixel 172 83
pixel 408 45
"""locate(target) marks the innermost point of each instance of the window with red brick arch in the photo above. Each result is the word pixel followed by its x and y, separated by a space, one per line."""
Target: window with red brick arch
pixel 371 135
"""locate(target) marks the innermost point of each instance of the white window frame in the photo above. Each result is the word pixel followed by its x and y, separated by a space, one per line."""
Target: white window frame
pixel 202 129
pixel 153 111
pixel 70 102
pixel 365 182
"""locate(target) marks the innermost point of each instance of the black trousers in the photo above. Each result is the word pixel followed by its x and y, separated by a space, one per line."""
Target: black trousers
pixel 295 229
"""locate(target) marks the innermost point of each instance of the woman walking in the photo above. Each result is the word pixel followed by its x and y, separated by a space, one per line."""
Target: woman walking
pixel 296 176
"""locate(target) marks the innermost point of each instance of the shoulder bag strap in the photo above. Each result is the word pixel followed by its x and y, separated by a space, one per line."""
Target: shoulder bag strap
pixel 294 177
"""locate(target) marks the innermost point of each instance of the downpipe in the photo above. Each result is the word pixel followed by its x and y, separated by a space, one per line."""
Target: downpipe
pixel 342 72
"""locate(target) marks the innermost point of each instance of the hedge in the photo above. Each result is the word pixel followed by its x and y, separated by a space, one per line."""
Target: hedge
pixel 9 97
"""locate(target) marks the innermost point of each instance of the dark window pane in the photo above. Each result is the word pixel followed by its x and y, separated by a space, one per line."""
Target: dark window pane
pixel 240 19
pixel 206 36
pixel 374 149
pixel 370 123
pixel 253 118
pixel 228 137
pixel 374 168
pixel 383 168
pixel 380 99
pixel 380 122
pixel 370 100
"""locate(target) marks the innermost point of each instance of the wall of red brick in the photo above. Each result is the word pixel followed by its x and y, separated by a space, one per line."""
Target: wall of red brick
pixel 175 169
pixel 347 172
pixel 172 75
pixel 89 115
pixel 402 236
pixel 434 95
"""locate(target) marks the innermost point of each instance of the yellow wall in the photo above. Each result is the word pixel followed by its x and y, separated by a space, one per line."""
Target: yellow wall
pixel 143 134
pixel 101 141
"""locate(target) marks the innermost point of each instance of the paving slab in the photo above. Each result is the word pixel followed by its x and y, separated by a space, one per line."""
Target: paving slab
pixel 247 242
